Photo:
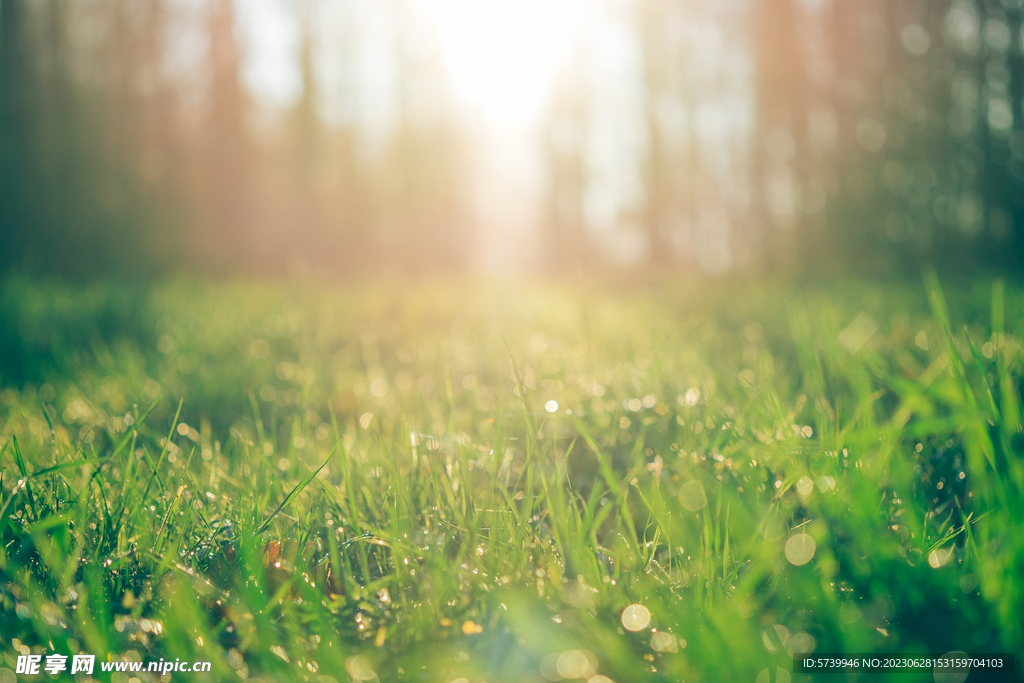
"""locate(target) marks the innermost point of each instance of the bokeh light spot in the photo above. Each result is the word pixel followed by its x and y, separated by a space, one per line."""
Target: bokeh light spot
pixel 576 664
pixel 804 486
pixel 800 549
pixel 664 642
pixel 692 496
pixel 636 617
pixel 939 557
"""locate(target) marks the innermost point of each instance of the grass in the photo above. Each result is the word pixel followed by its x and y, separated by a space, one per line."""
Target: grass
pixel 499 483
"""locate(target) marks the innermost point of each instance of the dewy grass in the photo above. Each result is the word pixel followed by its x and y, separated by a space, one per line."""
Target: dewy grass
pixel 520 483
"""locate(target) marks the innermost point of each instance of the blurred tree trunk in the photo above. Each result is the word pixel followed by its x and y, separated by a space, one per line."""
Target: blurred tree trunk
pixel 565 141
pixel 307 129
pixel 782 109
pixel 307 140
pixel 229 155
pixel 15 170
pixel 1001 69
pixel 422 221
pixel 656 168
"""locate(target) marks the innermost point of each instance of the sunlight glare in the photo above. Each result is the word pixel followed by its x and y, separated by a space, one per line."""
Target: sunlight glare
pixel 502 56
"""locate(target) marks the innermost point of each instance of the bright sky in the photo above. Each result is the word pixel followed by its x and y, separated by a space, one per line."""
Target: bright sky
pixel 500 60
pixel 499 56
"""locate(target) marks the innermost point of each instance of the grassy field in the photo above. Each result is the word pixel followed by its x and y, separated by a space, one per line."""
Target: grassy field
pixel 495 482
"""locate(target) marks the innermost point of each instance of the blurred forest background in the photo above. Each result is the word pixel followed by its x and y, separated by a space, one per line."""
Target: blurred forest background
pixel 137 138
